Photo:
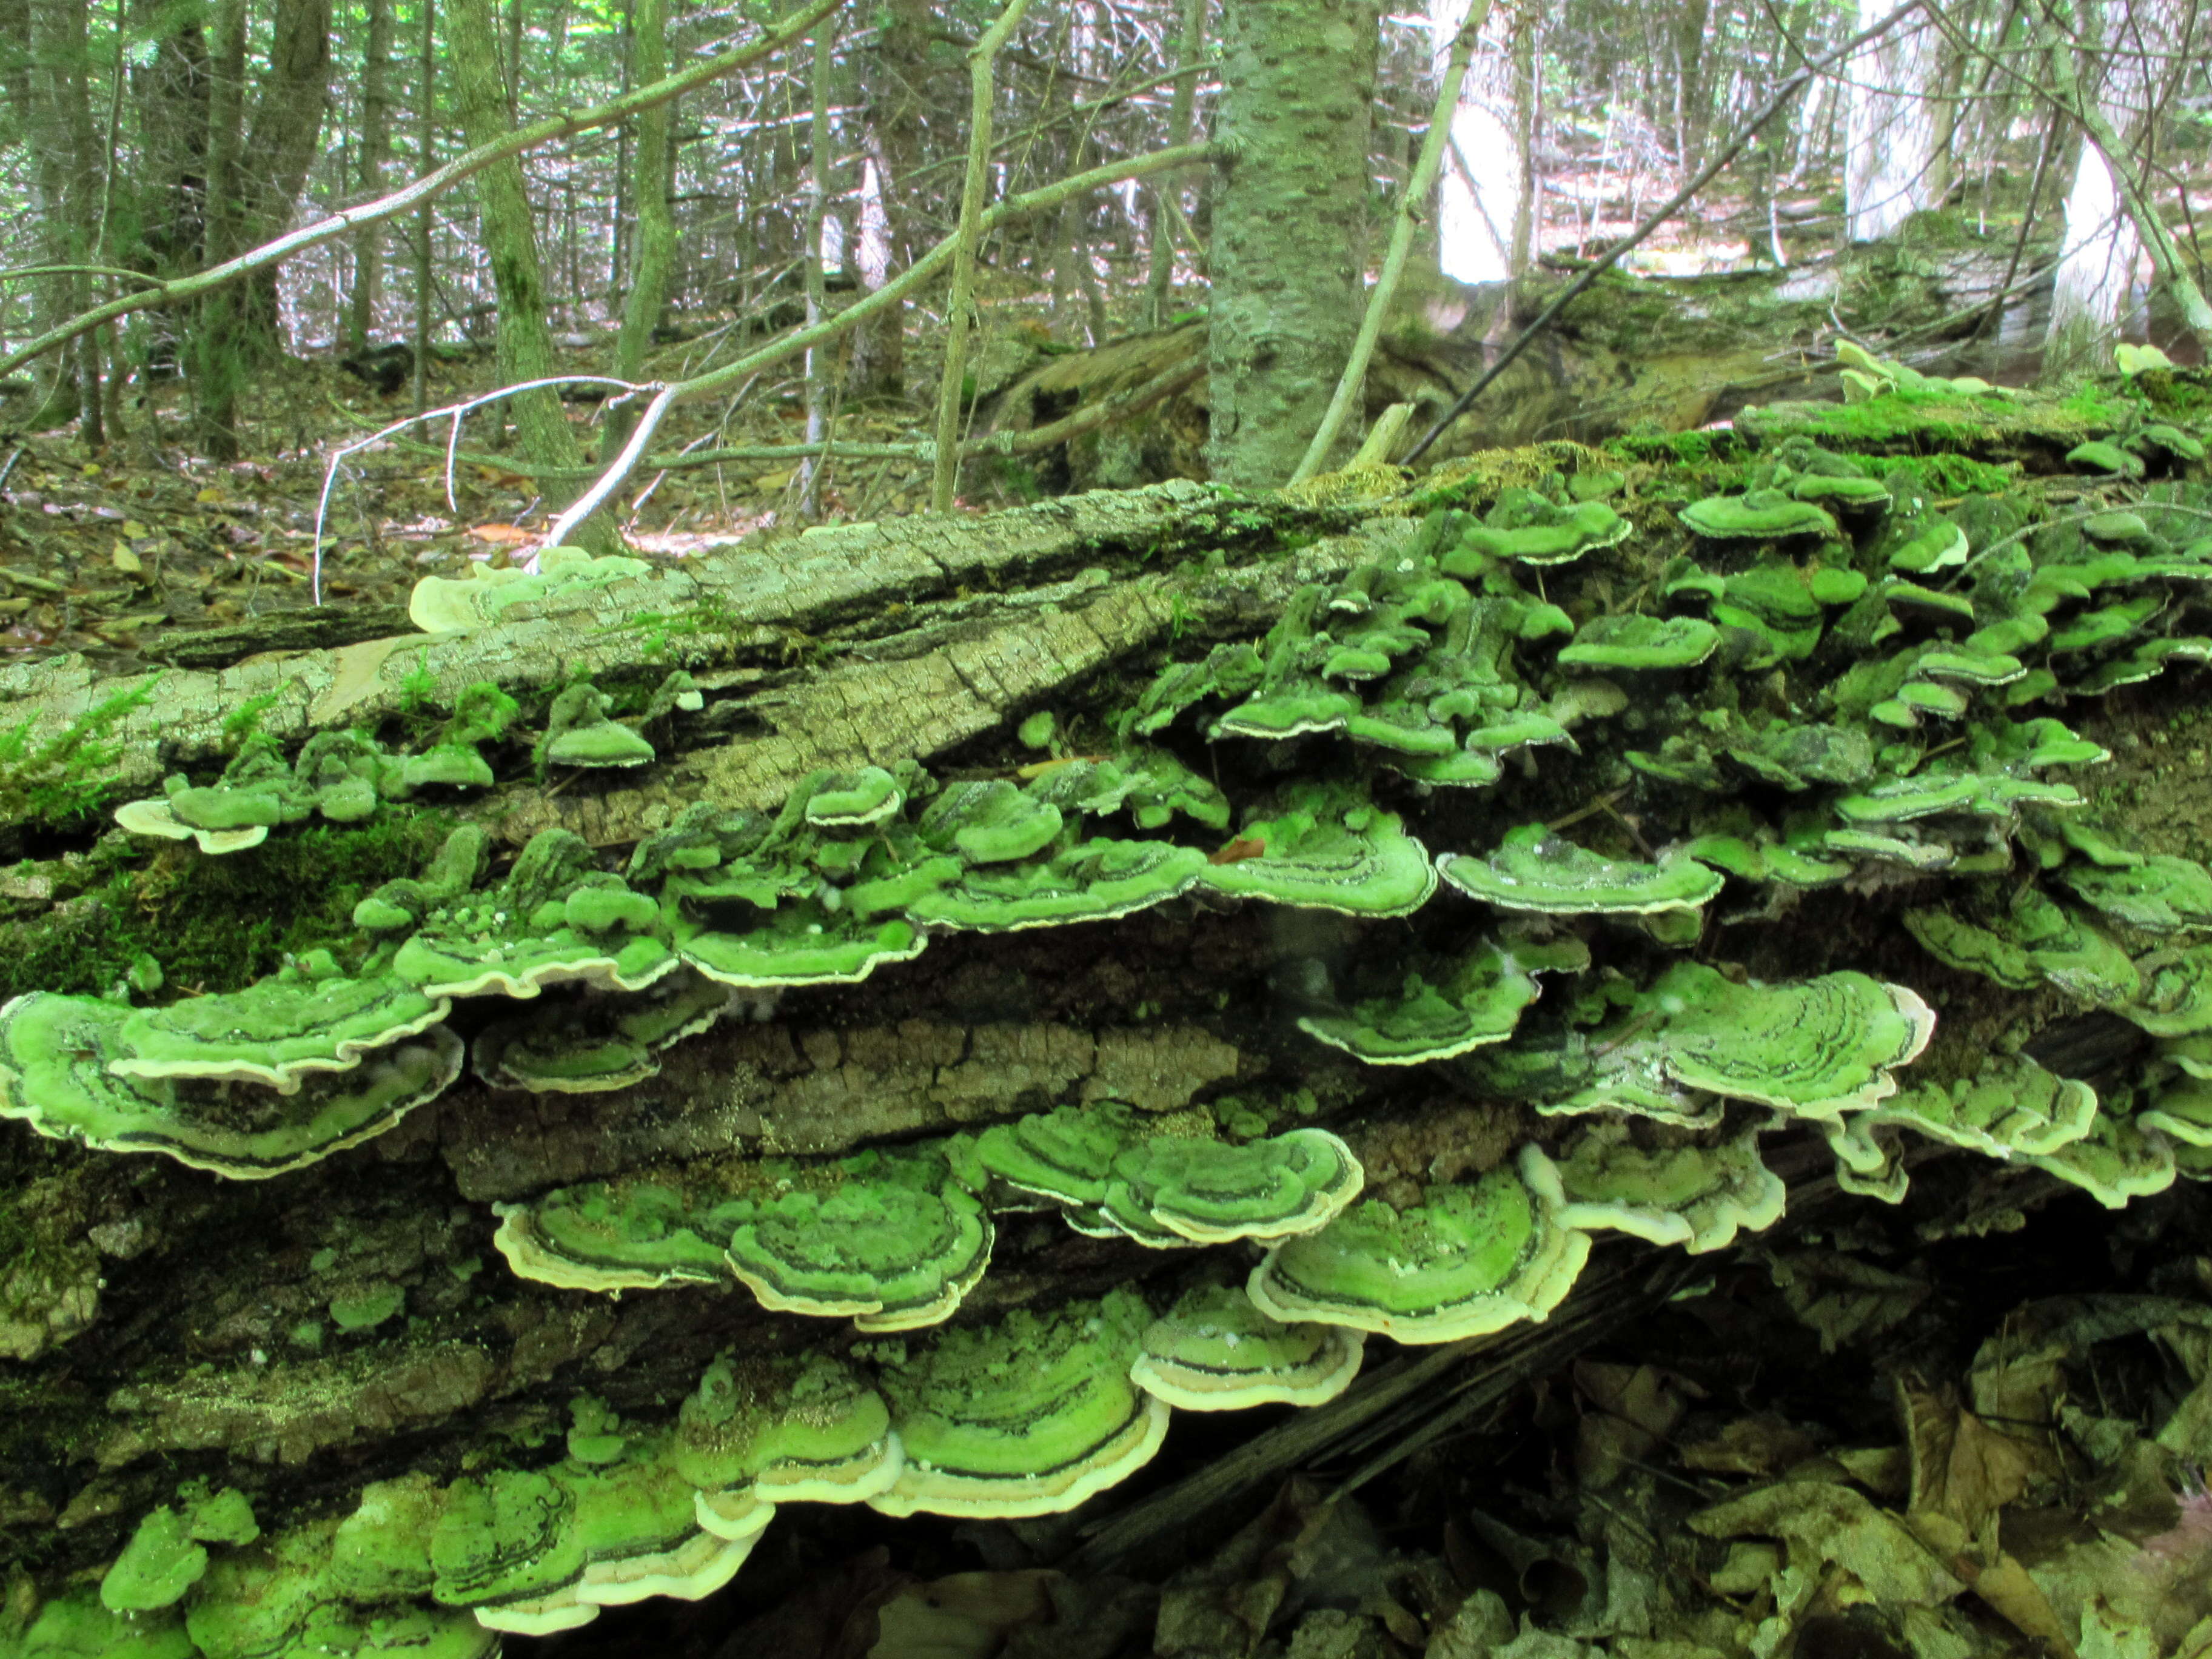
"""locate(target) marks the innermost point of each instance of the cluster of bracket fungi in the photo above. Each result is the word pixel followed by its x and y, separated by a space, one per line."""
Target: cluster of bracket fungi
pixel 1843 685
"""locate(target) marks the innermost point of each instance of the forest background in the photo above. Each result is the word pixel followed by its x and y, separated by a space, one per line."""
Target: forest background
pixel 148 142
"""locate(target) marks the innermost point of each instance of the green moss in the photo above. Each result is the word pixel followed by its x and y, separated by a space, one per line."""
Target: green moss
pixel 1942 473
pixel 215 924
pixel 68 779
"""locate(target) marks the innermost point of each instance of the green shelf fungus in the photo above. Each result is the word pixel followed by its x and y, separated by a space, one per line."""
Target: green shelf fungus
pixel 888 1239
pixel 2161 894
pixel 162 1560
pixel 1698 1196
pixel 1957 943
pixel 993 821
pixel 276 1032
pixel 581 733
pixel 1028 1416
pixel 2180 1107
pixel 1759 515
pixel 1473 1003
pixel 1811 1047
pixel 59 1057
pixel 1940 545
pixel 2011 1107
pixel 599 1043
pixel 517 938
pixel 1531 530
pixel 381 1551
pixel 802 943
pixel 1329 848
pixel 2116 1163
pixel 442 604
pixel 854 799
pixel 1214 1352
pixel 630 1233
pixel 1466 1261
pixel 76 1627
pixel 1869 1156
pixel 536 1552
pixel 2100 455
pixel 1095 880
pixel 1633 642
pixel 1534 871
pixel 1210 1192
pixel 1295 707
pixel 760 1431
pixel 1065 1156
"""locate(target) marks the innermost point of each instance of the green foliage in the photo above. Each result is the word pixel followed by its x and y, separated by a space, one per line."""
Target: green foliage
pixel 66 780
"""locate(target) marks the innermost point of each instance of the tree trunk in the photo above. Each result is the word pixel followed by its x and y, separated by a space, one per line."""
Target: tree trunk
pixel 1898 163
pixel 656 222
pixel 899 78
pixel 219 364
pixel 375 151
pixel 1483 192
pixel 1289 227
pixel 510 236
pixel 54 83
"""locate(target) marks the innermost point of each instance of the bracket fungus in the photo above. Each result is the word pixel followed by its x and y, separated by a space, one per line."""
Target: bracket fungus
pixel 580 732
pixel 1694 1194
pixel 1760 515
pixel 890 1239
pixel 757 1431
pixel 1213 1350
pixel 1329 848
pixel 1210 1192
pixel 1466 1261
pixel 1535 871
pixel 1631 640
pixel 599 1042
pixel 1472 1004
pixel 63 1063
pixel 1810 1047
pixel 441 605
pixel 556 917
pixel 1028 1416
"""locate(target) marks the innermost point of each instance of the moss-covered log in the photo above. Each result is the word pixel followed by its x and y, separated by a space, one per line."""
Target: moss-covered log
pixel 1033 942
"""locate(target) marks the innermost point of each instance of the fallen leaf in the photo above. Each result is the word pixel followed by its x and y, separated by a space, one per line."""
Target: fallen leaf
pixel 1244 847
pixel 503 535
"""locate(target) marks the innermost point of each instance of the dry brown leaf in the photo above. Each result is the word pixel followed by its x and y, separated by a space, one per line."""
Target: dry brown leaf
pixel 1962 1467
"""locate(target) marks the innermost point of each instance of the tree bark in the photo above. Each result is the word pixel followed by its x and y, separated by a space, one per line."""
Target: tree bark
pixel 1288 253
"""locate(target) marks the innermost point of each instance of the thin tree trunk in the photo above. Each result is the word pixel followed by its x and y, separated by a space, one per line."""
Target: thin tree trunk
pixel 510 238
pixel 1159 278
pixel 1289 226
pixel 820 359
pixel 375 150
pixel 952 394
pixel 425 159
pixel 656 222
pixel 218 365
